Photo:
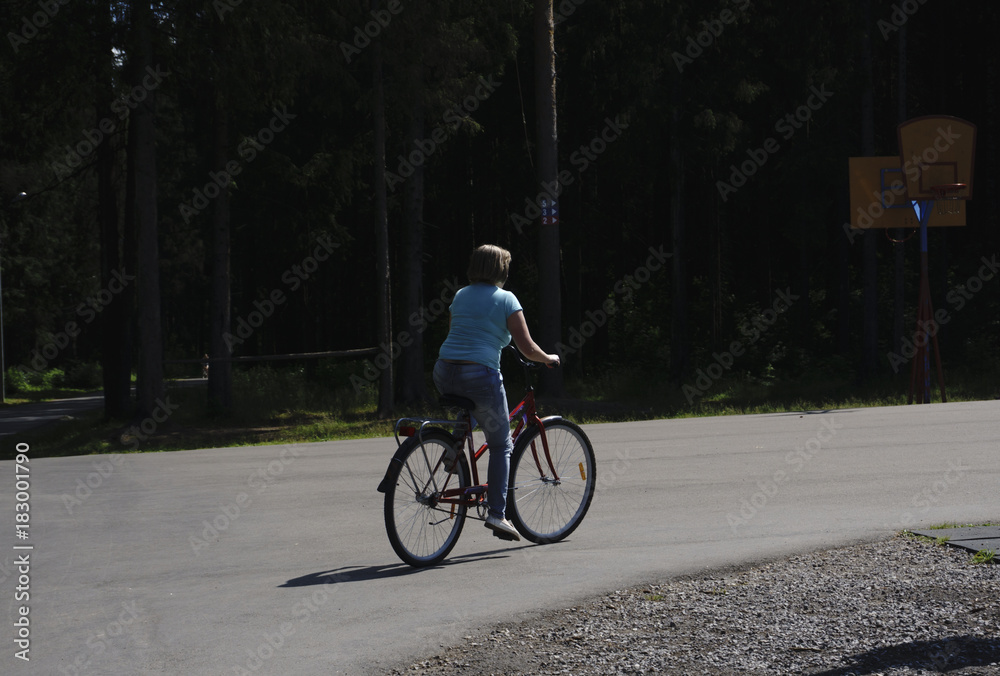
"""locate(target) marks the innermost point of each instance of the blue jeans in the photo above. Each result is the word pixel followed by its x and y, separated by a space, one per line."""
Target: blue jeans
pixel 484 386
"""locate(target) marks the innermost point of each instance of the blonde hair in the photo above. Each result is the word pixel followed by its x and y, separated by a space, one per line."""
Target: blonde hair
pixel 489 264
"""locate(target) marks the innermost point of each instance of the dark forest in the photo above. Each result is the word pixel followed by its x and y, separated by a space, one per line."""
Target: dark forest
pixel 260 178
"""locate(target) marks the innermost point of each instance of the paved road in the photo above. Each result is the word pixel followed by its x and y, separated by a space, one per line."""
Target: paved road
pixel 274 560
pixel 21 418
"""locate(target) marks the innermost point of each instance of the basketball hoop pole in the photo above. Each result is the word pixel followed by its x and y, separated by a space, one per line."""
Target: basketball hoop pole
pixel 920 374
pixel 937 156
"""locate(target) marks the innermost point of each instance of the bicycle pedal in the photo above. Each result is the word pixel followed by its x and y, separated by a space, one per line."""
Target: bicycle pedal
pixel 504 536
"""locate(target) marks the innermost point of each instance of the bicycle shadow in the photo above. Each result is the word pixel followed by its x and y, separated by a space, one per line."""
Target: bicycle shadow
pixel 351 574
pixel 368 573
pixel 940 656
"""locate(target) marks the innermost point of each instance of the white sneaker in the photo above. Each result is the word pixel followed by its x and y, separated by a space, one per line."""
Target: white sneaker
pixel 502 528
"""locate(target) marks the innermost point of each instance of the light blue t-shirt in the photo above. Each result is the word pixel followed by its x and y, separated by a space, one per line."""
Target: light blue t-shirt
pixel 479 324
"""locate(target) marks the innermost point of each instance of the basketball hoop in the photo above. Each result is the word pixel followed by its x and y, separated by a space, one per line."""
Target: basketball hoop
pixel 948 197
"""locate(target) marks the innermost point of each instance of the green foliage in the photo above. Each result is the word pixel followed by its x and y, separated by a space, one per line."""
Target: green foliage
pixel 52 379
pixel 984 556
pixel 84 376
pixel 53 383
pixel 617 61
pixel 26 380
pixel 267 393
pixel 17 380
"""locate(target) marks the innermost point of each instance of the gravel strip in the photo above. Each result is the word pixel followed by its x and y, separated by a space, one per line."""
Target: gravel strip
pixel 902 606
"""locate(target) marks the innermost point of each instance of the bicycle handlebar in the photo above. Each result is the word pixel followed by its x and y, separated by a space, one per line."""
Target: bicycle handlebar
pixel 527 363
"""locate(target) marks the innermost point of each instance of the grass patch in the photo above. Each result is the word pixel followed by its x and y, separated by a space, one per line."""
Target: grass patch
pixel 276 405
pixel 40 395
pixel 983 556
pixel 270 407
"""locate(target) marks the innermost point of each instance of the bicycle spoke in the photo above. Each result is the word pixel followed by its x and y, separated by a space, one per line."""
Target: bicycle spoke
pixel 421 531
pixel 543 509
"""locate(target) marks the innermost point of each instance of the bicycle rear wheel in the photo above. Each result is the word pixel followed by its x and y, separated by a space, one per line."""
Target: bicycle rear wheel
pixel 542 507
pixel 422 530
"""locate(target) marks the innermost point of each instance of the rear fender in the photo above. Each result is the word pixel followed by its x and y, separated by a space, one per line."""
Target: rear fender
pixel 402 452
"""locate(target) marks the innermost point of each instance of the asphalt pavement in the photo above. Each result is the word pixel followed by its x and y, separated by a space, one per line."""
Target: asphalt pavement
pixel 18 419
pixel 274 559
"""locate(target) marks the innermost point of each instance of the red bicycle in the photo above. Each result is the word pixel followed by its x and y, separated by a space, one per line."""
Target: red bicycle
pixel 431 484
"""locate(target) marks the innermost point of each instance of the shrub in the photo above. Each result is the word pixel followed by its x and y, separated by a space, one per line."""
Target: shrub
pixel 53 379
pixel 84 376
pixel 17 380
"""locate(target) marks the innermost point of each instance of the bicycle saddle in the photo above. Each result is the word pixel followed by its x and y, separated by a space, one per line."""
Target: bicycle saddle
pixel 455 401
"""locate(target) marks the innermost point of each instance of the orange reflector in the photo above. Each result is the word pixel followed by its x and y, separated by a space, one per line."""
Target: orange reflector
pixel 583 474
pixel 407 431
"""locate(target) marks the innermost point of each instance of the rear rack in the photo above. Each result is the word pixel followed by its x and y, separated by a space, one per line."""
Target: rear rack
pixel 417 428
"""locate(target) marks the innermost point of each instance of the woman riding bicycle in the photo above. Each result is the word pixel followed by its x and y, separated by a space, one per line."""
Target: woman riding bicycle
pixel 484 319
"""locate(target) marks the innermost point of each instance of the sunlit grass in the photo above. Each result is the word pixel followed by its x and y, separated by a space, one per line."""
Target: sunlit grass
pixel 282 406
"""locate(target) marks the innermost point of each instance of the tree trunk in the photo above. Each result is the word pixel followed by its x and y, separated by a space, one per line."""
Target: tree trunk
pixel 899 251
pixel 843 244
pixel 412 387
pixel 149 382
pixel 382 288
pixel 220 373
pixel 116 335
pixel 869 342
pixel 547 138
pixel 680 348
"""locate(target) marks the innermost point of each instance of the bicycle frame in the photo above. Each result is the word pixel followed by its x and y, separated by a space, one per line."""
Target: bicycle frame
pixel 470 496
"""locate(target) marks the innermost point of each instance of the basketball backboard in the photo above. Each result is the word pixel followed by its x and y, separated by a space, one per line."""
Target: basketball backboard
pixel 937 151
pixel 880 197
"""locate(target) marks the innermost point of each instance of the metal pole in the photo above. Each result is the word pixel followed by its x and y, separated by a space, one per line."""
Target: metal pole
pixel 921 372
pixel 3 370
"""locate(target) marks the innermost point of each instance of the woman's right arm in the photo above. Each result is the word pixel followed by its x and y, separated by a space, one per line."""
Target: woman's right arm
pixel 518 328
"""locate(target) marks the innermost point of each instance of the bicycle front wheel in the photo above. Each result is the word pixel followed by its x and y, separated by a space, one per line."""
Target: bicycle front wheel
pixel 546 507
pixel 421 529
